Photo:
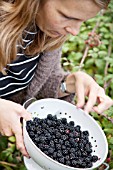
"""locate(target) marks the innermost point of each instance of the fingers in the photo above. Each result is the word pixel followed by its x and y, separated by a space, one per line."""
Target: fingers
pixel 17 130
pixel 6 131
pixel 91 100
pixel 80 94
pixel 23 113
pixel 105 103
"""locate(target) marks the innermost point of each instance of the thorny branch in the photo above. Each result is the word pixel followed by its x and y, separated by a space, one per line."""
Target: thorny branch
pixel 106 84
pixel 88 45
pixel 93 37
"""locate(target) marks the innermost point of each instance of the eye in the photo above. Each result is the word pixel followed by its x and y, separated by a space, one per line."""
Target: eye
pixel 68 17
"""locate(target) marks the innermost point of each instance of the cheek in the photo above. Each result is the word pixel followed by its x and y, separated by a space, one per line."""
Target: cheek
pixel 55 24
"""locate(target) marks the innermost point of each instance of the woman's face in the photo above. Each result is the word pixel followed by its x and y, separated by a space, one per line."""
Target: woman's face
pixel 62 17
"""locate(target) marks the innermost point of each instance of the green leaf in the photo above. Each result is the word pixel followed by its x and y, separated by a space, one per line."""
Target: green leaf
pixel 12 139
pixel 111 140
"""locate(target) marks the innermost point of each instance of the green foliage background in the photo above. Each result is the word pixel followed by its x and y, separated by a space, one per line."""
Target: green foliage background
pixel 98 63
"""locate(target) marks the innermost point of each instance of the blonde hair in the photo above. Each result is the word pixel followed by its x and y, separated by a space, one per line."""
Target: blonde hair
pixel 102 3
pixel 15 16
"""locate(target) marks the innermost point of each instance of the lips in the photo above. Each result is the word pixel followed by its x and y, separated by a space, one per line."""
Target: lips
pixel 55 33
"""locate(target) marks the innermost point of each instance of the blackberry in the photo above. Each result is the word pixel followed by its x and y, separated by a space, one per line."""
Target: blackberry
pixel 31 134
pixel 67 157
pixel 68 162
pixel 62 141
pixel 71 123
pixel 58 146
pixel 77 128
pixel 72 150
pixel 49 122
pixel 55 155
pixel 54 118
pixel 74 163
pixel 64 137
pixel 63 147
pixel 67 143
pixel 49 116
pixel 86 133
pixel 65 152
pixel 61 160
pixel 46 147
pixel 89 165
pixel 71 135
pixel 64 120
pixel 59 154
pixel 50 151
pixel 94 158
pixel 72 156
pixel 58 134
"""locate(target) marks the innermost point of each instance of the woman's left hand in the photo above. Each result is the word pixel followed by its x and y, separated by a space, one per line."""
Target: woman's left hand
pixel 84 85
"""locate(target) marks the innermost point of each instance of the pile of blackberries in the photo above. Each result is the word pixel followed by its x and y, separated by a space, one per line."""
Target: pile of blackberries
pixel 62 141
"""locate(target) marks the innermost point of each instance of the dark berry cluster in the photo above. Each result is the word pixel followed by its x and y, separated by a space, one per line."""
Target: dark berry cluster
pixel 62 141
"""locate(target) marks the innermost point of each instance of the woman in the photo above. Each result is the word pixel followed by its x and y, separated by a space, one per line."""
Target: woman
pixel 31 35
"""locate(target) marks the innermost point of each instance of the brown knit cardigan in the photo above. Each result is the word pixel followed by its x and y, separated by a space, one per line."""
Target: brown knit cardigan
pixel 46 81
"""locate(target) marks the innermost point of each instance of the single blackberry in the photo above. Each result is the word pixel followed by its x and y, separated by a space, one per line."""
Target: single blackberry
pixel 71 123
pixel 63 147
pixel 54 118
pixel 31 134
pixel 72 156
pixel 77 128
pixel 49 116
pixel 56 140
pixel 89 165
pixel 67 157
pixel 58 146
pixel 64 137
pixel 81 145
pixel 61 141
pixel 61 160
pixel 67 143
pixel 59 154
pixel 65 152
pixel 68 163
pixel 74 163
pixel 83 165
pixel 71 135
pixel 84 153
pixel 55 154
pixel 49 122
pixel 64 120
pixel 94 158
pixel 58 134
pixel 29 123
pixel 78 153
pixel 72 150
pixel 46 147
pixel 50 151
pixel 86 133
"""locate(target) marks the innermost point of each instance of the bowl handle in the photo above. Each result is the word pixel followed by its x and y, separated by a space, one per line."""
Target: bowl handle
pixel 28 102
pixel 106 166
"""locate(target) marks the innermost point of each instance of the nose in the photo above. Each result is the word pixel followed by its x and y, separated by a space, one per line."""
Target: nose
pixel 72 31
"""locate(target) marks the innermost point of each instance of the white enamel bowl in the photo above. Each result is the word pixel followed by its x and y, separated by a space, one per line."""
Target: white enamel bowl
pixel 60 108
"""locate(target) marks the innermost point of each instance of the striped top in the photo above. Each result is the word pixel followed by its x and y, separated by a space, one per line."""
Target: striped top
pixel 21 71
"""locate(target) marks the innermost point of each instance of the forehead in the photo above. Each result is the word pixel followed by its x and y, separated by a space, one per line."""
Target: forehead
pixel 81 8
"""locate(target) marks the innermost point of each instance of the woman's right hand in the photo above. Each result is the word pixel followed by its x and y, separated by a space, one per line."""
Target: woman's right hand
pixel 10 114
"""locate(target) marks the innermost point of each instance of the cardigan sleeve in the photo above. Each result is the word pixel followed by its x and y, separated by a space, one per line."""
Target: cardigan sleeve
pixel 50 83
pixel 47 79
